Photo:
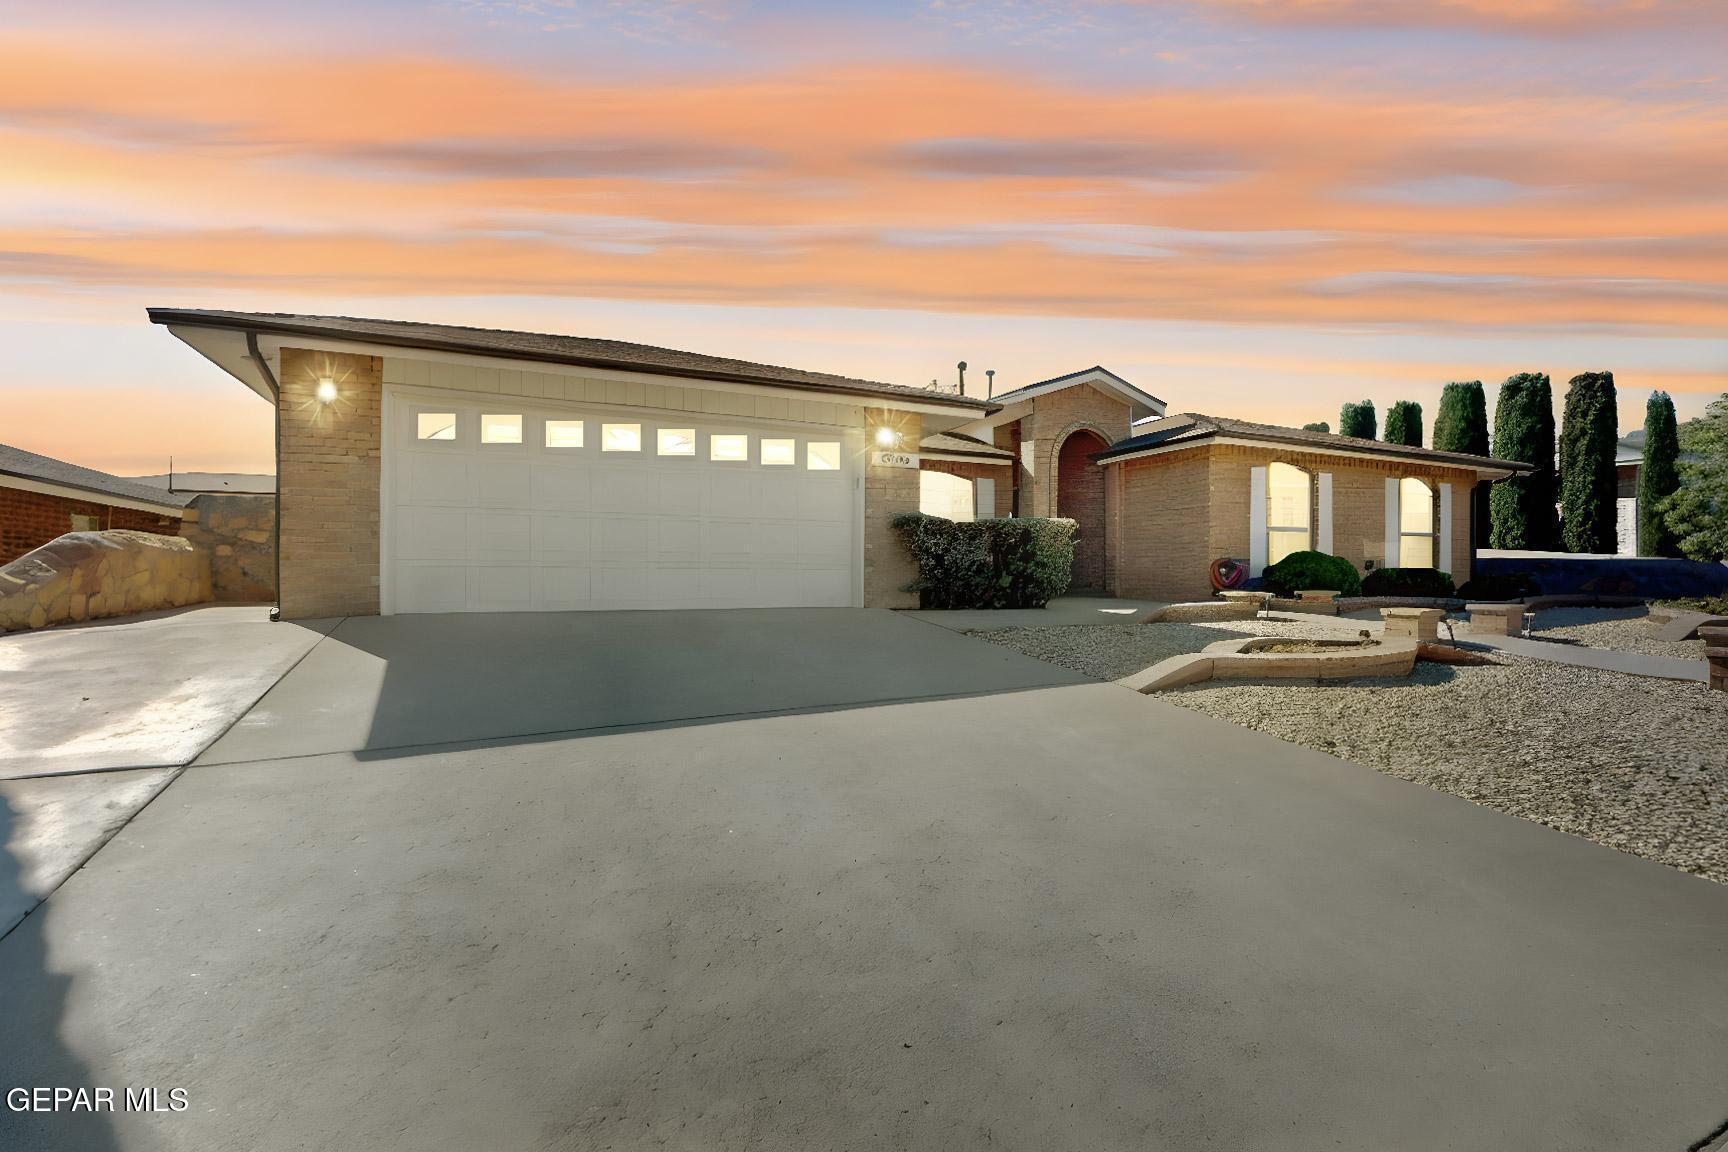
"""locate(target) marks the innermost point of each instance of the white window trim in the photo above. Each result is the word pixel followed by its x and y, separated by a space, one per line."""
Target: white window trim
pixel 1257 536
pixel 1323 540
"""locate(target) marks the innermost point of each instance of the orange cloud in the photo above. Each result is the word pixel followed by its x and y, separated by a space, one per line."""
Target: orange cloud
pixel 906 187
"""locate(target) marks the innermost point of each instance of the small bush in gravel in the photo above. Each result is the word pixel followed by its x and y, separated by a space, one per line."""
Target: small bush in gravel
pixel 1513 586
pixel 1018 563
pixel 1407 582
pixel 1715 605
pixel 1303 570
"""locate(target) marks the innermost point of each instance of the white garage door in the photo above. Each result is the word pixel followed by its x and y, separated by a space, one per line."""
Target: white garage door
pixel 507 508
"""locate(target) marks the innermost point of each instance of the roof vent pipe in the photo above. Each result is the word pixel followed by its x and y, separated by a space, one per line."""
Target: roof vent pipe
pixel 989 383
pixel 962 367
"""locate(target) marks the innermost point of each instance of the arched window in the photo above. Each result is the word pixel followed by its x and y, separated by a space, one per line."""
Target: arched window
pixel 1289 500
pixel 1415 524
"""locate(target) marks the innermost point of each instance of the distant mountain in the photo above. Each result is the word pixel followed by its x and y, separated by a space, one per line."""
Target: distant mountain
pixel 212 482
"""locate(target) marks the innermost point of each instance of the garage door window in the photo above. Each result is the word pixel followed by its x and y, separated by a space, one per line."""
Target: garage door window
pixel 822 456
pixel 621 437
pixel 435 426
pixel 779 451
pixel 728 447
pixel 501 429
pixel 677 441
pixel 563 433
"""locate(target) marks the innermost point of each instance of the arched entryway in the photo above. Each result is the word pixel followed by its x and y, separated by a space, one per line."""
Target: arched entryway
pixel 1080 497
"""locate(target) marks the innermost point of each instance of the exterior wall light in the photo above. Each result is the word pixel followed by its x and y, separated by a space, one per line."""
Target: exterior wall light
pixel 326 392
pixel 887 437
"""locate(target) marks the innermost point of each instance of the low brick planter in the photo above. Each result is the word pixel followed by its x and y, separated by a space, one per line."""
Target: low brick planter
pixel 1716 656
pixel 1239 659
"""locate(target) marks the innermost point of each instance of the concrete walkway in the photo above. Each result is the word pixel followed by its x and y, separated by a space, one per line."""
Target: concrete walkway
pixel 1581 656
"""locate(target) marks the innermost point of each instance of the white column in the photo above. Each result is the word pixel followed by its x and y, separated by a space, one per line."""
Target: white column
pixel 1391 523
pixel 1445 563
pixel 1256 521
pixel 1323 540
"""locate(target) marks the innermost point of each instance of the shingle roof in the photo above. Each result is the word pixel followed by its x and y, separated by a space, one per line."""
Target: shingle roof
pixel 30 466
pixel 580 351
pixel 955 444
pixel 1193 427
pixel 1008 397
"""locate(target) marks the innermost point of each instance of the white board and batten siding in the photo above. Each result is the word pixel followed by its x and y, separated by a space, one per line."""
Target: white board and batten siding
pixel 549 524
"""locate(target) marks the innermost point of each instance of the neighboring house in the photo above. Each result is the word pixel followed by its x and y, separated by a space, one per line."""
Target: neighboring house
pixel 1628 459
pixel 429 468
pixel 42 498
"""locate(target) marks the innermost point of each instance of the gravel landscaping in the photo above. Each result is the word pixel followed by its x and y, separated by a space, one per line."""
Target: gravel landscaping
pixel 1630 762
pixel 1112 651
pixel 1620 629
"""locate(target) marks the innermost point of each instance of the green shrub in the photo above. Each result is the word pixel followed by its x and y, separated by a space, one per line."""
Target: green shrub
pixel 1658 477
pixel 1462 425
pixel 1522 507
pixel 1588 435
pixel 1404 424
pixel 1512 586
pixel 1018 563
pixel 1317 570
pixel 1407 582
pixel 1358 419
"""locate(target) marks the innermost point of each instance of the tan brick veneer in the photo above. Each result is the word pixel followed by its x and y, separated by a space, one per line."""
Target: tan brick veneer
pixel 329 477
pixel 888 566
pixel 1185 509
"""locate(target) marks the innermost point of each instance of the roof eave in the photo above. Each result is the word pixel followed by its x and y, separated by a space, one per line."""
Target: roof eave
pixel 265 325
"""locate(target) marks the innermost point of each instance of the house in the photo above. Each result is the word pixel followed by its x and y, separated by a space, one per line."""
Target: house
pixel 433 468
pixel 42 498
pixel 1628 460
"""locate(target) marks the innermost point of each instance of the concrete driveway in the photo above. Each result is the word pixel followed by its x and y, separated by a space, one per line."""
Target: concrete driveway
pixel 96 719
pixel 1025 914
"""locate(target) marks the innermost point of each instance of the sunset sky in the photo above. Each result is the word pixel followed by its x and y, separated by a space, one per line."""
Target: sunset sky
pixel 1257 208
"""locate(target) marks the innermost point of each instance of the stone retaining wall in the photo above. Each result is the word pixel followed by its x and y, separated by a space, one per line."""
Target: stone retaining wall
pixel 90 575
pixel 239 532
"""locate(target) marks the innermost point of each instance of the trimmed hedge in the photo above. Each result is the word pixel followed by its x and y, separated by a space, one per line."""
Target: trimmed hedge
pixel 1462 425
pixel 1522 507
pixel 1017 563
pixel 1588 435
pixel 1313 570
pixel 1658 477
pixel 1515 586
pixel 1358 419
pixel 1404 424
pixel 1407 582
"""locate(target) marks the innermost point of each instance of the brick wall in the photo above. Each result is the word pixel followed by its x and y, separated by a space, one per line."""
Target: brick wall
pixel 1182 510
pixel 29 520
pixel 329 479
pixel 1053 419
pixel 1163 527
pixel 888 566
pixel 1080 496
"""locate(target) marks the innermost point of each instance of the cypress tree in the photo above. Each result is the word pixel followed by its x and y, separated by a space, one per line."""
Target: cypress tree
pixel 1358 420
pixel 1317 426
pixel 1589 431
pixel 1521 507
pixel 1658 476
pixel 1462 424
pixel 1404 424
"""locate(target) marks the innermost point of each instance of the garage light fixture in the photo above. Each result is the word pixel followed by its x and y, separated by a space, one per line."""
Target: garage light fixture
pixel 326 391
pixel 887 437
